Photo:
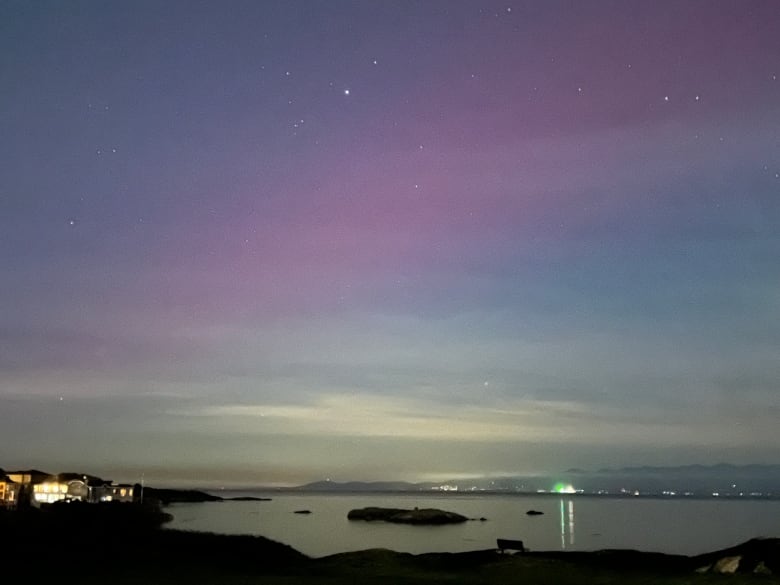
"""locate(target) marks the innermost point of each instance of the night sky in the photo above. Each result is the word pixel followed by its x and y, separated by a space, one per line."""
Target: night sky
pixel 273 242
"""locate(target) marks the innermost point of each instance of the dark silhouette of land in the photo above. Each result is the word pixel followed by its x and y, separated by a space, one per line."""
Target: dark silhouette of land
pixel 725 480
pixel 123 543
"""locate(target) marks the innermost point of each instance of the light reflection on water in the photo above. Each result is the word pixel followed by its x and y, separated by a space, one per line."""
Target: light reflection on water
pixel 567 522
pixel 674 526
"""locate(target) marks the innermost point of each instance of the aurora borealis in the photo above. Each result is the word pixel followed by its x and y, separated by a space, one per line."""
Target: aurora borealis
pixel 270 242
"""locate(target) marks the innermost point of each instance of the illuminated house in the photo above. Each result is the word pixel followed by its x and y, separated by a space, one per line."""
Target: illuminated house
pixel 9 492
pixel 37 487
pixel 113 493
pixel 25 479
pixel 66 486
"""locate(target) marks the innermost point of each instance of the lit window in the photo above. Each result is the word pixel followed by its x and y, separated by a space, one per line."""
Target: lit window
pixel 123 492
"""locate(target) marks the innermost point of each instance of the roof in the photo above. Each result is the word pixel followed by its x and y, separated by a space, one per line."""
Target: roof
pixel 35 474
pixel 85 477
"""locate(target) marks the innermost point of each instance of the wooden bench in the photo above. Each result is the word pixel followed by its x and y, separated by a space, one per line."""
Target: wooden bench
pixel 506 544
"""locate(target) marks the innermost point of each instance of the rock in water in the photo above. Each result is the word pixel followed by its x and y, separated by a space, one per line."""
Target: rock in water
pixel 400 516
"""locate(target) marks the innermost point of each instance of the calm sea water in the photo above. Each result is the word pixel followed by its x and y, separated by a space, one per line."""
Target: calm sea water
pixel 569 523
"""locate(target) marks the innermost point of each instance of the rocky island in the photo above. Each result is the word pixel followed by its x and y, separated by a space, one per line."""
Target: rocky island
pixel 418 516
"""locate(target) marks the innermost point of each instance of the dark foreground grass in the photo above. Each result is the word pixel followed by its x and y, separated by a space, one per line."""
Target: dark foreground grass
pixel 91 546
pixel 386 568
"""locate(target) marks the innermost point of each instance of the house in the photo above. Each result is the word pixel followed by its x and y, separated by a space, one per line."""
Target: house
pixel 56 488
pixel 9 492
pixel 24 480
pixel 78 487
pixel 37 487
pixel 66 486
pixel 113 493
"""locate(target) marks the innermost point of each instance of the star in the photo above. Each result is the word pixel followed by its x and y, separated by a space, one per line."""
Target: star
pixel 71 222
pixel 346 92
pixel 666 98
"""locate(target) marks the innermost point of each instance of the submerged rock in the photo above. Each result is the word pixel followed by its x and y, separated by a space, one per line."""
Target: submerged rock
pixel 417 516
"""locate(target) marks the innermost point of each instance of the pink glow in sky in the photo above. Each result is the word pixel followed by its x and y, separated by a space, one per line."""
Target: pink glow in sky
pixel 543 207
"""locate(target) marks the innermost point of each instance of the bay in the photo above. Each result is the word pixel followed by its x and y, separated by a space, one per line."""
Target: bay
pixel 680 526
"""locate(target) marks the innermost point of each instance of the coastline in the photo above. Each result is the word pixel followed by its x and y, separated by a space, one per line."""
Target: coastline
pixel 124 550
pixel 673 527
